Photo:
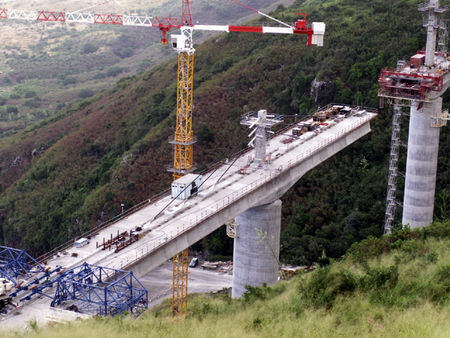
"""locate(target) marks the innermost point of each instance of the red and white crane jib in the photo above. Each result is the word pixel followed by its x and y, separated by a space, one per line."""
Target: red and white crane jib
pixel 315 33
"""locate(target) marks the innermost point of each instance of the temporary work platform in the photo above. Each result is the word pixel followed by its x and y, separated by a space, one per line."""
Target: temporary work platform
pixel 413 81
pixel 110 291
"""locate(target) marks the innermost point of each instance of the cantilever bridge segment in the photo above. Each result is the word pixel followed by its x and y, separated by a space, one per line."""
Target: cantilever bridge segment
pixel 235 188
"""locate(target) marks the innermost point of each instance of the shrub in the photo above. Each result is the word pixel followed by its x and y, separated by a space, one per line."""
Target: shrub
pixel 124 52
pixel 100 75
pixel 69 80
pixel 85 93
pixel 254 293
pixel 222 65
pixel 12 110
pixel 324 286
pixel 403 239
pixel 439 289
pixel 368 248
pixel 205 134
pixel 89 48
pixel 34 103
pixel 30 93
pixel 382 277
pixel 114 71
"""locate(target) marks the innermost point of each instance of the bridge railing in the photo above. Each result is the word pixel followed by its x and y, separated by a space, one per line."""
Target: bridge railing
pixel 215 207
pixel 95 230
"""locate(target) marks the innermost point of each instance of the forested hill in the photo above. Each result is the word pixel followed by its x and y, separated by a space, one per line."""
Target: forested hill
pixel 74 170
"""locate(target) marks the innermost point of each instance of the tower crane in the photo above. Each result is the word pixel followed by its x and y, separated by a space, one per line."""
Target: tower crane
pixel 183 139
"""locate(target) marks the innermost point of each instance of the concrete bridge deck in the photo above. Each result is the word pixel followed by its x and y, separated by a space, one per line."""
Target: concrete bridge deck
pixel 184 223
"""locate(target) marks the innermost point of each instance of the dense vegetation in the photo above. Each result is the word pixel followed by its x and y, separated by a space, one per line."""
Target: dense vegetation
pixel 396 286
pixel 74 170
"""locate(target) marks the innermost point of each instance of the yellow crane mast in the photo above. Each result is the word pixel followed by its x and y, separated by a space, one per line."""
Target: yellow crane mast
pixel 183 141
pixel 184 135
pixel 183 163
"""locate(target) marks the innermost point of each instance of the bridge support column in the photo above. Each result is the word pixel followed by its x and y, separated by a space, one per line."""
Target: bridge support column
pixel 256 247
pixel 421 164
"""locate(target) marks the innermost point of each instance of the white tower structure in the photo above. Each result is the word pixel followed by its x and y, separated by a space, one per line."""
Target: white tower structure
pixel 420 84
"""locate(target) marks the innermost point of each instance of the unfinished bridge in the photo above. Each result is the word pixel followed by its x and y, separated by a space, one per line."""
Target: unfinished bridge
pixel 144 237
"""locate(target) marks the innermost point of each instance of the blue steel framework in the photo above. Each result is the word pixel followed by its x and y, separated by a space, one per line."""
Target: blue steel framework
pixel 15 263
pixel 110 291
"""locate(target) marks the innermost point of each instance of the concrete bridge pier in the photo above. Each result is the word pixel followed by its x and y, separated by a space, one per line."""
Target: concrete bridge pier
pixel 256 247
pixel 421 164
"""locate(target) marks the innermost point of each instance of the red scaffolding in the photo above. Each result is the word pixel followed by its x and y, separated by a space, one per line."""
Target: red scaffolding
pixel 409 85
pixel 413 81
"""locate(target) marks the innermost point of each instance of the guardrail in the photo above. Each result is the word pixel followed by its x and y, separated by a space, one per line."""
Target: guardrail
pixel 45 257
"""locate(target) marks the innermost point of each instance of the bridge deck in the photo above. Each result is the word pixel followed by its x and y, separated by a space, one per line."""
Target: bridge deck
pixel 182 216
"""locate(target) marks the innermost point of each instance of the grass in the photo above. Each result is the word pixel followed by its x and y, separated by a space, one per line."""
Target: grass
pixel 398 293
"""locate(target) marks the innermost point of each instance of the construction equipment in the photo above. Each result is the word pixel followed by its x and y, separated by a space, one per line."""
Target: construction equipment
pixel 15 264
pixel 259 122
pixel 5 287
pixel 323 115
pixel 183 139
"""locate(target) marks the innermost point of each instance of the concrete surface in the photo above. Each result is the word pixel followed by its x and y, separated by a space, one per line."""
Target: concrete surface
pixel 421 165
pixel 256 247
pixel 159 282
pixel 186 222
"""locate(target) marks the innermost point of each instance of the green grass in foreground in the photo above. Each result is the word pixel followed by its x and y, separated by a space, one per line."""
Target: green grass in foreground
pixel 396 286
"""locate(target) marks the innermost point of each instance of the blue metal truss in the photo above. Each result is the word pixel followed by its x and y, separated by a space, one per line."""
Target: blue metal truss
pixel 111 291
pixel 36 285
pixel 15 263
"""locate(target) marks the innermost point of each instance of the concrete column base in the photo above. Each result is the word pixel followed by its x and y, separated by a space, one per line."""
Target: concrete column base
pixel 256 247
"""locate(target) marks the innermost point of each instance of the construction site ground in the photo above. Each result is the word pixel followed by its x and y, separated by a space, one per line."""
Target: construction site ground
pixel 158 283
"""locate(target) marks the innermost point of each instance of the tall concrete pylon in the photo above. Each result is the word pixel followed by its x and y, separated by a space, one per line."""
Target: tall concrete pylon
pixel 256 247
pixel 421 164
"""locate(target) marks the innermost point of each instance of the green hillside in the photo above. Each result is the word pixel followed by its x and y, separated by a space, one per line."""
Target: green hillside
pixel 397 286
pixel 73 171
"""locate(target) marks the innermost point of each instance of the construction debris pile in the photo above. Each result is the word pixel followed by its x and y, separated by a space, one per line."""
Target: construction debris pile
pixel 222 267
